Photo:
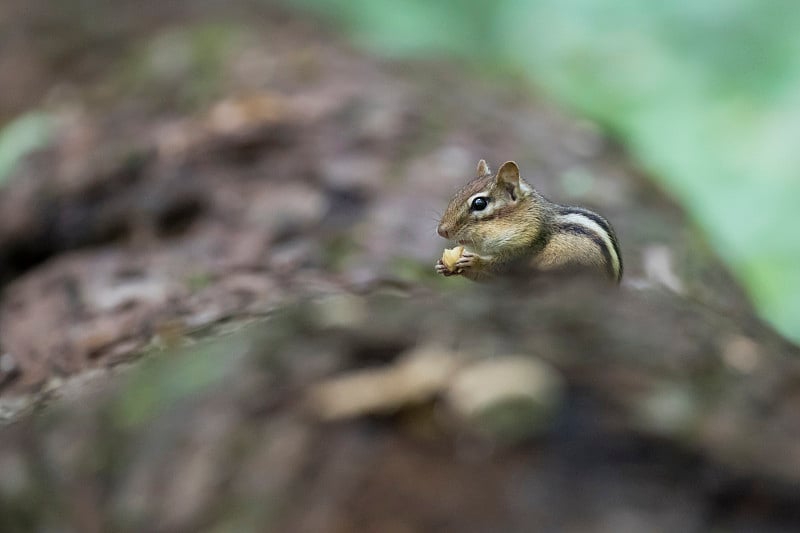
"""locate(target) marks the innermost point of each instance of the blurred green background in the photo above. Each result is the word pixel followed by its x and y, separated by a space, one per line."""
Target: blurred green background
pixel 704 95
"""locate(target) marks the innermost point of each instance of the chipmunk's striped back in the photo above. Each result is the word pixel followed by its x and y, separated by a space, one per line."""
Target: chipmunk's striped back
pixel 587 234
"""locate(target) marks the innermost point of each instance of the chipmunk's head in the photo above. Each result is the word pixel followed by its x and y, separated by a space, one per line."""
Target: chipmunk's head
pixel 488 213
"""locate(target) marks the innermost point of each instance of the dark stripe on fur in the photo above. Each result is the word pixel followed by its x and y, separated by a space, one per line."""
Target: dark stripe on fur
pixel 602 222
pixel 576 229
pixel 591 215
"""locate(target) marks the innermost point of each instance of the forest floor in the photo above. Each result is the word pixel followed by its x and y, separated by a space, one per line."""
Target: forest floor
pixel 219 310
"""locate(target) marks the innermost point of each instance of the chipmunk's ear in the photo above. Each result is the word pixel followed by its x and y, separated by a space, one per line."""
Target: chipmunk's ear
pixel 483 169
pixel 508 179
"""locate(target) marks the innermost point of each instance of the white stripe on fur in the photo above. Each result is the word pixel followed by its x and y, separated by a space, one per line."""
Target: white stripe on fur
pixel 594 227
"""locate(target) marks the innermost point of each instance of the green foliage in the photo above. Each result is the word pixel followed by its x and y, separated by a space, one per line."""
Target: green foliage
pixel 20 137
pixel 413 26
pixel 706 95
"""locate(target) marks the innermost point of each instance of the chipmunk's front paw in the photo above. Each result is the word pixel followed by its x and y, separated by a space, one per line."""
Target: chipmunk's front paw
pixel 468 261
pixel 442 269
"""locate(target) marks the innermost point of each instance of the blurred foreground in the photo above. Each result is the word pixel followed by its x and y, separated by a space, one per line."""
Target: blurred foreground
pixel 384 414
pixel 219 311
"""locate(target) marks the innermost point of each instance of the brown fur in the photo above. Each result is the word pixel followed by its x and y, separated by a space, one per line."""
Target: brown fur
pixel 563 249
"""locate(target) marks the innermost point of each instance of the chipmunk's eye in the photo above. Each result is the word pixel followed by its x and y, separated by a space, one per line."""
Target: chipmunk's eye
pixel 479 204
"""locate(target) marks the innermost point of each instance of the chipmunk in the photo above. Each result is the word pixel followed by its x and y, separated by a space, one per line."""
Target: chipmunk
pixel 503 223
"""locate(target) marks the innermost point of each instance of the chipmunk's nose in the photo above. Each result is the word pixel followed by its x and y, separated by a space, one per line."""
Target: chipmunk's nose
pixel 444 230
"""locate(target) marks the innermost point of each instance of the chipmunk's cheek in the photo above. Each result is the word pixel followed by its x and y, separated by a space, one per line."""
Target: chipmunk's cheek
pixel 462 236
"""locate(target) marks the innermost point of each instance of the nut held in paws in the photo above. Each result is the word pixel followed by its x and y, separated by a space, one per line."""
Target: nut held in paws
pixel 450 256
